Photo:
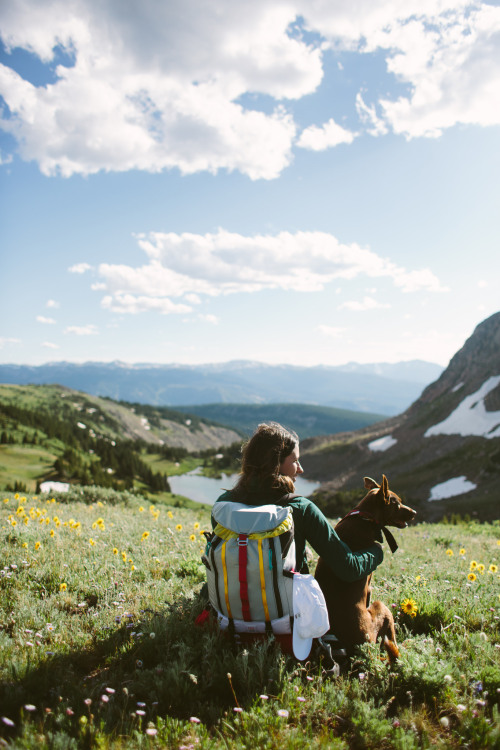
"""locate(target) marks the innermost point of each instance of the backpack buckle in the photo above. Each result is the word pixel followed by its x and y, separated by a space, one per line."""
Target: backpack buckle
pixel 242 540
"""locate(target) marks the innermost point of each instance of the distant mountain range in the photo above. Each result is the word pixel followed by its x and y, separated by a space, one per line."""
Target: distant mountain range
pixel 307 420
pixel 442 454
pixel 382 388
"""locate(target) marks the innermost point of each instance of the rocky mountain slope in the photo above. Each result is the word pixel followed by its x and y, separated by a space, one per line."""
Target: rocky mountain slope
pixel 120 421
pixel 442 455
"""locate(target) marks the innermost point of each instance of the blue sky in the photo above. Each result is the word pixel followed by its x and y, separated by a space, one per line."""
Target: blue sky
pixel 295 182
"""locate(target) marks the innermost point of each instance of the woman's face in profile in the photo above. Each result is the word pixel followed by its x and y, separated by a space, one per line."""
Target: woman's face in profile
pixel 291 465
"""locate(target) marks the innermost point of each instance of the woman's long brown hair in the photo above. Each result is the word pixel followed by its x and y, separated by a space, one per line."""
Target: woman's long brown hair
pixel 262 457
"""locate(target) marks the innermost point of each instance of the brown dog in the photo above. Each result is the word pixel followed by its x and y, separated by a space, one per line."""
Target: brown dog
pixel 353 620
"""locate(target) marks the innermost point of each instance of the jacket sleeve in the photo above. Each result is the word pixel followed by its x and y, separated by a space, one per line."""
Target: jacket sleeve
pixel 347 565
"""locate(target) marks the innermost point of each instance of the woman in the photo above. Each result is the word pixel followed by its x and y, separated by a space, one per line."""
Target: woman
pixel 270 465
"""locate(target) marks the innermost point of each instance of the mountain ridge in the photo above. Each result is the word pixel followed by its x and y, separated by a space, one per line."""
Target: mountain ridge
pixel 424 449
pixel 357 388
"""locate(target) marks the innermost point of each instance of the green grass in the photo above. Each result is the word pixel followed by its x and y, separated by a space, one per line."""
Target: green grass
pixel 24 464
pixel 170 468
pixel 99 649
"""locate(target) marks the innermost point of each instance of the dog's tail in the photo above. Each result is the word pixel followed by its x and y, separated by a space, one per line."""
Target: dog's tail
pixel 392 649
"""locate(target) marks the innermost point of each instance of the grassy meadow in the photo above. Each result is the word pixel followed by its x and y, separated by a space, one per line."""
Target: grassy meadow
pixel 99 647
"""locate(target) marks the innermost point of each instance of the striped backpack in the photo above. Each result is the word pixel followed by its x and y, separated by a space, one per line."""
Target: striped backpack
pixel 250 557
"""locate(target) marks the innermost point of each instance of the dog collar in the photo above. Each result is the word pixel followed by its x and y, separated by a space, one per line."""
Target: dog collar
pixel 389 537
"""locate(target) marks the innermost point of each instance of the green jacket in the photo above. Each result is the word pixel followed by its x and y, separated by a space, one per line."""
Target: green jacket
pixel 313 527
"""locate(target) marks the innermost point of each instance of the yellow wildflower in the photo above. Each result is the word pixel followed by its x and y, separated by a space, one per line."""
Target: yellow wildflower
pixel 192 538
pixel 115 550
pixel 169 513
pixel 473 565
pixel 449 552
pixel 481 568
pixel 144 536
pixel 493 568
pixel 91 542
pixel 409 607
pixel 52 533
pixel 463 551
pixel 63 586
pixel 472 576
pixel 196 526
pixel 38 545
pixel 178 527
pixel 141 509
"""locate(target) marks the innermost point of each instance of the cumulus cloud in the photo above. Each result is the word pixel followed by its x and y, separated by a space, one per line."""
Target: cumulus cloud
pixel 189 266
pixel 166 85
pixel 88 330
pixel 79 268
pixel 132 304
pixel 43 319
pixel 330 134
pixel 453 68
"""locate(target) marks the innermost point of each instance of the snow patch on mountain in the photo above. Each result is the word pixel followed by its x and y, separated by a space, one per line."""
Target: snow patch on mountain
pixel 470 417
pixel 451 488
pixel 382 444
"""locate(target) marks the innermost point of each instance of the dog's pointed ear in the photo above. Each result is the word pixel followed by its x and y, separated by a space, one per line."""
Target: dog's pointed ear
pixel 371 484
pixel 385 489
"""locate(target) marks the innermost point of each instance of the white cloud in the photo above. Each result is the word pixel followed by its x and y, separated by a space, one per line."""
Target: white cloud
pixel 158 86
pixel 451 64
pixel 163 85
pixel 183 265
pixel 52 303
pixel 131 304
pixel 79 268
pixel 367 303
pixel 213 319
pixel 368 115
pixel 50 345
pixel 8 159
pixel 89 330
pixel 47 321
pixel 328 135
